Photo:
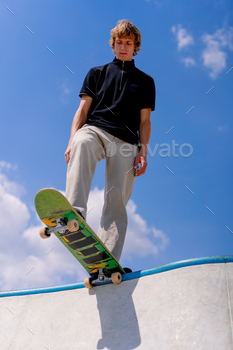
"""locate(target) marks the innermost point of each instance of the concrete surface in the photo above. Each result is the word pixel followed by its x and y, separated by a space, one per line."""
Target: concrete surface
pixel 186 308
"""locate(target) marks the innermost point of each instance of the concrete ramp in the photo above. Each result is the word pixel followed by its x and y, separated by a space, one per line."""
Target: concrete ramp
pixel 181 306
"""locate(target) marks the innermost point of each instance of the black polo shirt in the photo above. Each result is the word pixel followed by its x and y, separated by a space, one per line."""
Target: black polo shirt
pixel 119 91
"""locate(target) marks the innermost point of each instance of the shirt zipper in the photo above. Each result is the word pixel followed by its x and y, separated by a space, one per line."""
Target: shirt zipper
pixel 121 74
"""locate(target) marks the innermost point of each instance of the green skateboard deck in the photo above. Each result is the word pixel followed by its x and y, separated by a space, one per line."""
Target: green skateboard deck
pixel 77 236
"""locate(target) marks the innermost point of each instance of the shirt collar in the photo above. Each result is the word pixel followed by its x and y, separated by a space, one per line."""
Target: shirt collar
pixel 127 64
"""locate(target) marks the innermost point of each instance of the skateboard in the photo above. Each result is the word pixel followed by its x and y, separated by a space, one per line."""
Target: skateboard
pixel 72 230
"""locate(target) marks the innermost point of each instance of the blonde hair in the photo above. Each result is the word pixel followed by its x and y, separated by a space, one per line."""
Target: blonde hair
pixel 125 28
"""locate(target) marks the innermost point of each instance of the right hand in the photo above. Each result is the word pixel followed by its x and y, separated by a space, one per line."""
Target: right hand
pixel 67 154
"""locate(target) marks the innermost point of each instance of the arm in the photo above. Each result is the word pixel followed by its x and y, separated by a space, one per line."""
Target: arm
pixel 144 137
pixel 78 121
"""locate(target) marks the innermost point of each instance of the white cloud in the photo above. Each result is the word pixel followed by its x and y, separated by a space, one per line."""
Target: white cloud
pixel 189 61
pixel 27 261
pixel 222 128
pixel 213 56
pixel 5 165
pixel 14 213
pixel 65 91
pixel 142 240
pixel 184 40
pixel 6 185
pixel 182 37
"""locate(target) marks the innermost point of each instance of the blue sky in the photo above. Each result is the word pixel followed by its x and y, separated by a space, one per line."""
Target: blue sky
pixel 182 207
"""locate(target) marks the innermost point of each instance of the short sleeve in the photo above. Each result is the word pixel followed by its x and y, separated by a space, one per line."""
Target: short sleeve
pixel 148 94
pixel 89 84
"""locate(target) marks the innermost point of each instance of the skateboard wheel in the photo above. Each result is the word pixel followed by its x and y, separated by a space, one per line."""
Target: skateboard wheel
pixel 73 225
pixel 87 283
pixel 116 277
pixel 43 233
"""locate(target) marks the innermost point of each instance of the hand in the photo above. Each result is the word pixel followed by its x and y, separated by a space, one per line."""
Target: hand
pixel 67 154
pixel 140 159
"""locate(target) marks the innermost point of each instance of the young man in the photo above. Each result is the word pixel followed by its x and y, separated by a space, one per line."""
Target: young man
pixel 116 103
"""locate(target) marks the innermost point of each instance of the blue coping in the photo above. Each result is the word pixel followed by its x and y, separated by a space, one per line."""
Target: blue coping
pixel 219 259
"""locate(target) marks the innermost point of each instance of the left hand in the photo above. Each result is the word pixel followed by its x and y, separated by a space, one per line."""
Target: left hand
pixel 140 159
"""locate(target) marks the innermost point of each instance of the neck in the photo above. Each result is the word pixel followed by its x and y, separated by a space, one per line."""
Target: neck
pixel 130 59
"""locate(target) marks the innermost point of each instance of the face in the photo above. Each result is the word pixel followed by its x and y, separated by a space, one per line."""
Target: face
pixel 124 48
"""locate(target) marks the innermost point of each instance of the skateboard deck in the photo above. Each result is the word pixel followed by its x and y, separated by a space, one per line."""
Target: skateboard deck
pixel 77 236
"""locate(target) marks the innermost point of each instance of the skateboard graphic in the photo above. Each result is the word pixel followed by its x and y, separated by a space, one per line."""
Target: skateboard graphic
pixel 77 236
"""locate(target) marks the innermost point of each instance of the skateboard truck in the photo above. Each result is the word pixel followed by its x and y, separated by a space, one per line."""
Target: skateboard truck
pixel 103 276
pixel 61 227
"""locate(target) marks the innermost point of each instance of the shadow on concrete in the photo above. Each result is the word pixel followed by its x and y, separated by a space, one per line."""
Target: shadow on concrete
pixel 119 324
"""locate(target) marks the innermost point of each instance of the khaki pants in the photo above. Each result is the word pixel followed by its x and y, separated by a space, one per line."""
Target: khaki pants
pixel 90 145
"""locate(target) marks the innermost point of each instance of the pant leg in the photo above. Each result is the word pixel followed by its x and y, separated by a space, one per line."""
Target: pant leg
pixel 119 182
pixel 86 151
